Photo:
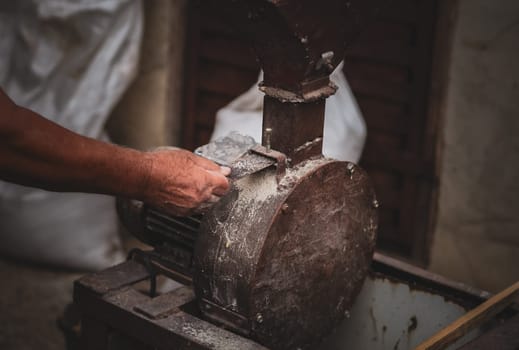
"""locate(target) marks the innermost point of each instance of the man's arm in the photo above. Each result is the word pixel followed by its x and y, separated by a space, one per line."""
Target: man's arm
pixel 37 152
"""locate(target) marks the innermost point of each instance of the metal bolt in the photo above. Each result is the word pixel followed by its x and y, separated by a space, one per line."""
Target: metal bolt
pixel 375 203
pixel 327 56
pixel 351 169
pixel 325 60
pixel 259 318
pixel 284 208
pixel 268 134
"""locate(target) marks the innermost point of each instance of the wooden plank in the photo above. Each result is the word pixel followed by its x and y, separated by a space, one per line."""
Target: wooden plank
pixel 228 50
pixel 399 161
pixel 400 10
pixel 386 91
pixel 383 30
pixel 387 187
pixel 202 135
pixel 208 104
pixel 502 337
pixel 388 197
pixel 390 52
pixel 376 71
pixel 388 217
pixel 224 79
pixel 386 178
pixel 383 115
pixel 389 241
pixel 211 22
pixel 389 143
pixel 471 319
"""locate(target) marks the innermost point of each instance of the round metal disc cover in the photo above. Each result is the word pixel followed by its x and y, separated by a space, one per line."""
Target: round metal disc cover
pixel 283 262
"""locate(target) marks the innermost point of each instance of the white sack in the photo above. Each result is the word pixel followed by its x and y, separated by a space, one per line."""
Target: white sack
pixel 70 61
pixel 344 127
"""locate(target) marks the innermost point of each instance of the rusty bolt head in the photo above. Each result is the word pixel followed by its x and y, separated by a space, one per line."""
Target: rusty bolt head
pixel 259 318
pixel 351 169
pixel 376 204
pixel 284 208
pixel 268 135
pixel 325 61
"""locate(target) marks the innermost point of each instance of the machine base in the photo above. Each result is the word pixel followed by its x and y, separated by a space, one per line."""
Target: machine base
pixel 399 307
pixel 115 314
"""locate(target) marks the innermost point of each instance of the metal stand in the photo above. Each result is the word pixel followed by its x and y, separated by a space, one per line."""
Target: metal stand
pixel 115 314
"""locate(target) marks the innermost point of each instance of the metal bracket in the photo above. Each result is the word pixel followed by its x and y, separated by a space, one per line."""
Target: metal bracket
pixel 280 158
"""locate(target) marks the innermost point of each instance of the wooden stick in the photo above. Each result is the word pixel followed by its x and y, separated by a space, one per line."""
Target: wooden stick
pixel 471 319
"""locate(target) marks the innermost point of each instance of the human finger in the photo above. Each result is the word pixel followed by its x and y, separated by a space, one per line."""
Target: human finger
pixel 220 183
pixel 225 171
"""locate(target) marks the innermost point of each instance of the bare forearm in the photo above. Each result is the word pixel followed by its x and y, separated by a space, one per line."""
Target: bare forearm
pixel 37 152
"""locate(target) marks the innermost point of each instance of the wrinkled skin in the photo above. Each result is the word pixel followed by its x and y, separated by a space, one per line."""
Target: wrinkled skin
pixel 37 152
pixel 193 185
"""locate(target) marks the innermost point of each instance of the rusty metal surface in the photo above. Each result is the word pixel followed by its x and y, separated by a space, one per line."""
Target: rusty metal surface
pixel 293 125
pixel 395 310
pixel 231 238
pixel 428 281
pixel 315 257
pixel 283 237
pixel 279 158
pixel 298 44
pixel 165 304
pixel 114 278
pixel 121 310
pixel 274 250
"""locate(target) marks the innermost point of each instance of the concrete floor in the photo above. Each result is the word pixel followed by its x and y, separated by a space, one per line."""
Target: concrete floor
pixel 31 301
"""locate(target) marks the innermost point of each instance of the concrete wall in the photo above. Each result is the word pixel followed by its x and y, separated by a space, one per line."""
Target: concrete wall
pixel 477 233
pixel 149 113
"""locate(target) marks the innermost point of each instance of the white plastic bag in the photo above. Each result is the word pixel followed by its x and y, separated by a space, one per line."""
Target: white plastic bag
pixel 344 126
pixel 70 61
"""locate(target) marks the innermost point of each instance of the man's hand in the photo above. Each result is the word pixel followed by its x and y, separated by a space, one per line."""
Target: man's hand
pixel 37 152
pixel 180 182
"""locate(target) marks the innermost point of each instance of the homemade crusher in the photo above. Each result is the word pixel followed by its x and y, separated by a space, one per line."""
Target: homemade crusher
pixel 279 261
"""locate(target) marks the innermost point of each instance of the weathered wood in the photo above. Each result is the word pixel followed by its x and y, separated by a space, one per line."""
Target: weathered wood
pixel 471 320
pixel 502 337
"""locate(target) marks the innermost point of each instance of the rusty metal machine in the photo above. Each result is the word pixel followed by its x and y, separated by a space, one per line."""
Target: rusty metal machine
pixel 280 259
